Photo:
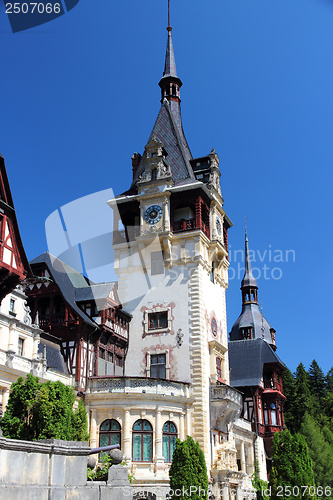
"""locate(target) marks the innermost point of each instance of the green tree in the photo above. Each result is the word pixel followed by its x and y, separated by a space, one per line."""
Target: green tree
pixel 188 470
pixel 321 451
pixel 303 402
pixel 289 389
pixel 43 411
pixel 317 384
pixel 292 468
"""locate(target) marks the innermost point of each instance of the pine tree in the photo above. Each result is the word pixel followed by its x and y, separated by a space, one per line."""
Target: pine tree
pixel 329 380
pixel 292 468
pixel 289 389
pixel 43 411
pixel 321 451
pixel 317 384
pixel 188 470
pixel 304 402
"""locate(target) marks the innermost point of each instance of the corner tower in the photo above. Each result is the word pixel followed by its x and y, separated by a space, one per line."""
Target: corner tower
pixel 251 323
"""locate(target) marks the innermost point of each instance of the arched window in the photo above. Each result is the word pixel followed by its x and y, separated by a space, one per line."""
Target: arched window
pixel 169 440
pixel 109 433
pixel 154 174
pixel 142 441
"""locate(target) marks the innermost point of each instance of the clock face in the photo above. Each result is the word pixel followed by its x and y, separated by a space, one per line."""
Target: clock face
pixel 153 214
pixel 218 225
pixel 214 327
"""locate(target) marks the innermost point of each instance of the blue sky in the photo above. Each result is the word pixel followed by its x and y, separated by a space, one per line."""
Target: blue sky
pixel 79 95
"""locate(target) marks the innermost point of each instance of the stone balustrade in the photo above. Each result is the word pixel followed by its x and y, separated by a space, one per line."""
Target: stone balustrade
pixel 137 385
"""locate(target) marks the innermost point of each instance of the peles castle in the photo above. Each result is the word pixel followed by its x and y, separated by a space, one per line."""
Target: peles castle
pixel 149 354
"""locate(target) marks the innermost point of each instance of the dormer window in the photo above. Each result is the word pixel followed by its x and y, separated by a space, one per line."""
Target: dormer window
pixel 154 174
pixel 246 333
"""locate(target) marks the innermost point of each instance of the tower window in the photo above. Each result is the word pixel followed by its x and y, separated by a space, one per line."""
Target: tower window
pixel 219 368
pixel 158 365
pixel 12 307
pixel 212 272
pixel 246 333
pixel 158 320
pixel 20 346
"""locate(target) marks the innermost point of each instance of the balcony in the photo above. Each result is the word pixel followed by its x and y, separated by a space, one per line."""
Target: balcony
pixel 139 385
pixel 117 328
pixel 273 385
pixel 188 225
pixel 226 404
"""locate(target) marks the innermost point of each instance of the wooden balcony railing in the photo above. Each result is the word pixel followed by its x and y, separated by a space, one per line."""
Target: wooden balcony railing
pixel 188 225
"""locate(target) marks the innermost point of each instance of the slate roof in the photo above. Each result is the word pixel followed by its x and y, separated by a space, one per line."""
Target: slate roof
pixel 169 131
pixel 247 359
pixel 72 284
pixel 53 355
pixel 251 316
pixel 94 292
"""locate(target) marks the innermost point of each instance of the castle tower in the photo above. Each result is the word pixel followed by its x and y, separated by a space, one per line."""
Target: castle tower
pixel 171 258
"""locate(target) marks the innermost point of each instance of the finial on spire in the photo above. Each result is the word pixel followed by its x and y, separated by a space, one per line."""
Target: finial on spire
pixel 169 24
pixel 245 228
pixel 170 83
pixel 249 283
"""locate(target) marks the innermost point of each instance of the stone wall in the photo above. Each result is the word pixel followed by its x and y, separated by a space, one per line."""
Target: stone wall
pixel 54 470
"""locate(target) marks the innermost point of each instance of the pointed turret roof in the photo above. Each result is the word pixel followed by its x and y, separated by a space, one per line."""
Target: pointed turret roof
pixel 248 280
pixel 170 62
pixel 251 323
pixel 168 128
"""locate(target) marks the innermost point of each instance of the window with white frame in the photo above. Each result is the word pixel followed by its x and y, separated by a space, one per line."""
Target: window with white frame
pixel 12 307
pixel 158 364
pixel 157 320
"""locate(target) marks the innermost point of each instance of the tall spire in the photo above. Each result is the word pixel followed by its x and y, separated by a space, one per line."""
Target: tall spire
pixel 170 83
pixel 249 285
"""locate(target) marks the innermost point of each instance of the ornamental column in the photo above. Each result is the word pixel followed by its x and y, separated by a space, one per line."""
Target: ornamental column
pixel 159 459
pixel 127 435
pixel 242 457
pixel 182 427
pixel 93 428
pixel 250 455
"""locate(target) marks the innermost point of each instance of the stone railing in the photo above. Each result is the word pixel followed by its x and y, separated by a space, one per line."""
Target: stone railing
pixel 227 404
pixel 55 469
pixel 138 385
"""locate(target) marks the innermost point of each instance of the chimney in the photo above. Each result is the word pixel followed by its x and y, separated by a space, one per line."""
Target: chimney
pixel 136 157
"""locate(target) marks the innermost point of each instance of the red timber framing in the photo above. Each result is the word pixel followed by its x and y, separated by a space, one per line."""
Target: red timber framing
pixel 199 204
pixel 81 331
pixel 14 266
pixel 267 401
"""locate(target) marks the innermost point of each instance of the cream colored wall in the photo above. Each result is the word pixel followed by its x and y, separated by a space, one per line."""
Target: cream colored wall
pixel 12 364
pixel 127 409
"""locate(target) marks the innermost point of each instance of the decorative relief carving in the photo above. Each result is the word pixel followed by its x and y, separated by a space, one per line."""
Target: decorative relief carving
pixel 27 318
